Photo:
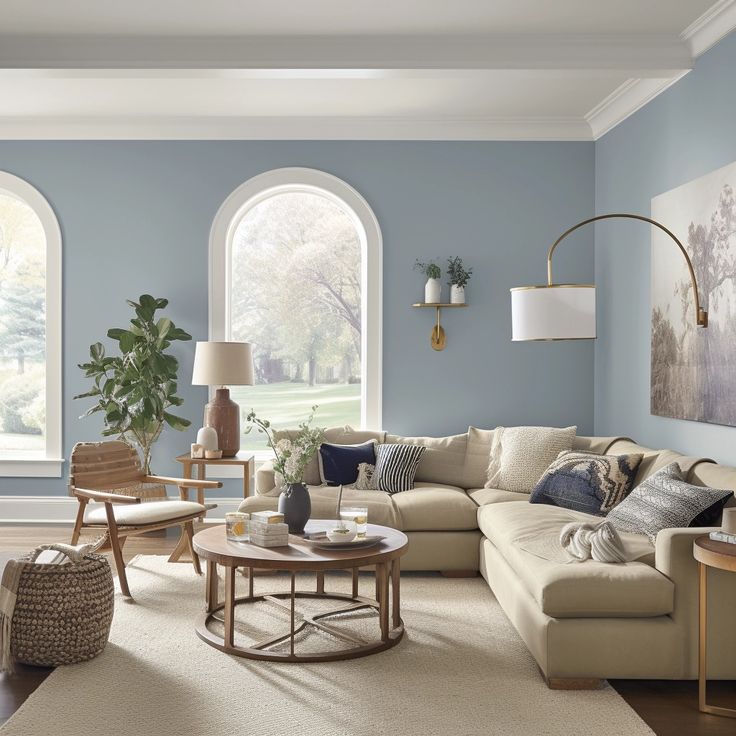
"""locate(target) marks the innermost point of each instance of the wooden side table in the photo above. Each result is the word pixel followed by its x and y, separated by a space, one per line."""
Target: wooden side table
pixel 721 556
pixel 245 459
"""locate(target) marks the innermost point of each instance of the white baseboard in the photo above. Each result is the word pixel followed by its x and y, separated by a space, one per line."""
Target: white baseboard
pixel 62 509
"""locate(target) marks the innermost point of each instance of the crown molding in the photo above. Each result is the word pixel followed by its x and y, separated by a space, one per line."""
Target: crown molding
pixel 295 128
pixel 643 55
pixel 707 30
pixel 624 101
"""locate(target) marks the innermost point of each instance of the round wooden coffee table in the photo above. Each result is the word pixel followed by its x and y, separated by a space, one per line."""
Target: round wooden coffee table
pixel 300 556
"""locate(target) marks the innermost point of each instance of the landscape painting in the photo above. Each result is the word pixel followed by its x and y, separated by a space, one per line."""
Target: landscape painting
pixel 693 369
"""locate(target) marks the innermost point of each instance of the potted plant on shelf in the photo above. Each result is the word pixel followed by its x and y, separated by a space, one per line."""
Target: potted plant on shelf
pixel 459 277
pixel 433 287
pixel 291 458
pixel 135 389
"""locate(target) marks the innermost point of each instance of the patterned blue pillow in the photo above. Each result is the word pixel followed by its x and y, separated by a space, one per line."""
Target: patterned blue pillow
pixel 584 481
pixel 338 464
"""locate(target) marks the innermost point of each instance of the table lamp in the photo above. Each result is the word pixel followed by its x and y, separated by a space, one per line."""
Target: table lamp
pixel 567 311
pixel 223 364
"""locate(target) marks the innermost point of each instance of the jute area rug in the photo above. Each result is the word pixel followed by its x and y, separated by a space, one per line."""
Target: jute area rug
pixel 460 669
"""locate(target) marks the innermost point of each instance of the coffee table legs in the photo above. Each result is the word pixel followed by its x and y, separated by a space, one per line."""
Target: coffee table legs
pixel 395 592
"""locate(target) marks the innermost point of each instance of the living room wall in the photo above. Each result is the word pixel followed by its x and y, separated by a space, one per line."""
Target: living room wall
pixel 684 133
pixel 136 216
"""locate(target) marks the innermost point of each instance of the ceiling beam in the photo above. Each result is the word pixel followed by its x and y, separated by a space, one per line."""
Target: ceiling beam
pixel 641 55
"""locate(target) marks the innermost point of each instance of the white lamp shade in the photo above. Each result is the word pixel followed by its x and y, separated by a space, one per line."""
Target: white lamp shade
pixel 557 312
pixel 223 364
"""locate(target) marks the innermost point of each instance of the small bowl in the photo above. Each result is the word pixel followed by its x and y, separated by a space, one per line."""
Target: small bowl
pixel 213 454
pixel 345 533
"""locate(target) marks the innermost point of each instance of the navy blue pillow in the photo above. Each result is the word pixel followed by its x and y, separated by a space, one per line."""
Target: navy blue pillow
pixel 338 464
pixel 584 481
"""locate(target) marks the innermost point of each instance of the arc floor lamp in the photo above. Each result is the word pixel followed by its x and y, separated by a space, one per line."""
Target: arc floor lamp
pixel 567 311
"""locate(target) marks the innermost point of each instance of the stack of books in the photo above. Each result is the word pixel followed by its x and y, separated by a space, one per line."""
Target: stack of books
pixel 267 529
pixel 723 537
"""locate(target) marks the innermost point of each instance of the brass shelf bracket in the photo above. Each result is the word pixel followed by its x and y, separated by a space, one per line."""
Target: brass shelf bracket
pixel 437 338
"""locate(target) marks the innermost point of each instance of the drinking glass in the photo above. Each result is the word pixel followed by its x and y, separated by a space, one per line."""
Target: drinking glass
pixel 236 526
pixel 358 514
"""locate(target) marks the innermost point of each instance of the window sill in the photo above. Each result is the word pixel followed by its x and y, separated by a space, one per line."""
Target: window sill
pixel 32 467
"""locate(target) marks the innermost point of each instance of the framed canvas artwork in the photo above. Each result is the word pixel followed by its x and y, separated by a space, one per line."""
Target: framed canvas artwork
pixel 693 369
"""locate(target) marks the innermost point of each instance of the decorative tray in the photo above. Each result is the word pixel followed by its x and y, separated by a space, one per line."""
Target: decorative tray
pixel 321 541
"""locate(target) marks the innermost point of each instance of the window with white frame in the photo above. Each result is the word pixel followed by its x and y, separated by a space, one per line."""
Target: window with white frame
pixel 30 332
pixel 295 270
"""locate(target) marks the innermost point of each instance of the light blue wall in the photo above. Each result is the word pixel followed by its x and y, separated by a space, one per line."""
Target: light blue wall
pixel 684 133
pixel 136 216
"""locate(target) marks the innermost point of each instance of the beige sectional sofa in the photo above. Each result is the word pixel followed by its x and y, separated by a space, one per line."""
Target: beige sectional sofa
pixel 582 622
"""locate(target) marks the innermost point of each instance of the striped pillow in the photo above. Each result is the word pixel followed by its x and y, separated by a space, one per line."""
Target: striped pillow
pixel 396 466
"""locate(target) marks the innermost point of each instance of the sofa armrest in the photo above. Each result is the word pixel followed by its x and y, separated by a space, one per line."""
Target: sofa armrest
pixel 266 480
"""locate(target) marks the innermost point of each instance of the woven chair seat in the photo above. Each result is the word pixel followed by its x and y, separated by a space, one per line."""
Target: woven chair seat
pixel 152 512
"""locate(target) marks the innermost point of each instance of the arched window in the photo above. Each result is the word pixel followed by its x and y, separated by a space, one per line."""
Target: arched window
pixel 295 269
pixel 30 332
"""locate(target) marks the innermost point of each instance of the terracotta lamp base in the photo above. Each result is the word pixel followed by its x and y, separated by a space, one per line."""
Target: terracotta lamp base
pixel 223 415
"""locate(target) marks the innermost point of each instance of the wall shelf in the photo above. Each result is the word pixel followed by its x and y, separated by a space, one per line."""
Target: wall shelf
pixel 437 339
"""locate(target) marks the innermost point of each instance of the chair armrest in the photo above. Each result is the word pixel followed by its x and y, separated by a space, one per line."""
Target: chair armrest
pixel 182 482
pixel 266 480
pixel 104 496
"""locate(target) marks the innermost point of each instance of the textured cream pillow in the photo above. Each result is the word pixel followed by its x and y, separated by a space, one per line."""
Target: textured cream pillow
pixel 520 455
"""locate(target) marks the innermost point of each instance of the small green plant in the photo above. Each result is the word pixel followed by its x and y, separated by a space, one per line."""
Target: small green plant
pixel 430 269
pixel 135 389
pixel 292 455
pixel 458 274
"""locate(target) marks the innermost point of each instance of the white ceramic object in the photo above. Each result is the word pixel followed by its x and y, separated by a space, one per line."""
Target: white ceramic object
pixel 197 451
pixel 207 437
pixel 457 294
pixel 433 291
pixel 344 532
pixel 729 521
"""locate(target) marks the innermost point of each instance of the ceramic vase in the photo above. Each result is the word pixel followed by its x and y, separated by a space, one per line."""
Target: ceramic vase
pixel 457 294
pixel 207 438
pixel 296 506
pixel 433 291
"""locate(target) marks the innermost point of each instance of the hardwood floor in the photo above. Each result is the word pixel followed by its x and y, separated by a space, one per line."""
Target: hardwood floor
pixel 670 708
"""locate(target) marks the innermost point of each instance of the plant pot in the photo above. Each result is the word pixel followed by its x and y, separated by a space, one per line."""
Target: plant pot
pixel 433 291
pixel 296 506
pixel 457 294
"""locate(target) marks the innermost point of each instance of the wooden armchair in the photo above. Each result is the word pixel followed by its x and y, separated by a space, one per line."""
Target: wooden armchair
pixel 105 472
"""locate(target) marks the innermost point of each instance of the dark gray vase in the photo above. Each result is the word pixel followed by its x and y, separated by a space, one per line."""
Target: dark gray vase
pixel 296 506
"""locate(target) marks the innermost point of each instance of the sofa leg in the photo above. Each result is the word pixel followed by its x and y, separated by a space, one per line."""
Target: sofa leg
pixel 574 683
pixel 459 573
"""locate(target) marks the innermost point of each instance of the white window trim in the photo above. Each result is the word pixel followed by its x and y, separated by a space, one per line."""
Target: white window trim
pixel 49 464
pixel 292 179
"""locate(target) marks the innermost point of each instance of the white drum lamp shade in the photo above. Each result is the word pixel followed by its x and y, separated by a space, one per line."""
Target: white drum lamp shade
pixel 555 312
pixel 223 364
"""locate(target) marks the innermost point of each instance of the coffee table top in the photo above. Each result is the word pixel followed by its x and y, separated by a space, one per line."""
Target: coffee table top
pixel 211 544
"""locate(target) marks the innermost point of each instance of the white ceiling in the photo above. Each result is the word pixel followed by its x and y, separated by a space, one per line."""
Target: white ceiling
pixel 406 69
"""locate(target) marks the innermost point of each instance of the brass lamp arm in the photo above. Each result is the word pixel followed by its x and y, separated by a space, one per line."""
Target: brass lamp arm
pixel 701 314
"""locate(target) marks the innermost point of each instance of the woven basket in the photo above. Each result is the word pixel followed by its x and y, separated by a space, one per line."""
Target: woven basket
pixel 63 612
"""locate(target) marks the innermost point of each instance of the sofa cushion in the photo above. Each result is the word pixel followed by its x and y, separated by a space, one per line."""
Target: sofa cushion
pixel 381 510
pixel 443 460
pixel 585 589
pixel 338 464
pixel 652 461
pixel 587 482
pixel 666 500
pixel 520 455
pixel 396 466
pixel 477 457
pixel 482 496
pixel 433 507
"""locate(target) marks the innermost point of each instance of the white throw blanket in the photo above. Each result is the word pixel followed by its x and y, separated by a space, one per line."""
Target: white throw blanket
pixel 599 542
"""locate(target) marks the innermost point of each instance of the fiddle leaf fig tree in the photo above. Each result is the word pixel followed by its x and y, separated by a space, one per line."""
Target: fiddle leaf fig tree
pixel 135 389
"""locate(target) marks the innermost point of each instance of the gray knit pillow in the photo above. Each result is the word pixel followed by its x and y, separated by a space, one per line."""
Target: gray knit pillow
pixel 663 501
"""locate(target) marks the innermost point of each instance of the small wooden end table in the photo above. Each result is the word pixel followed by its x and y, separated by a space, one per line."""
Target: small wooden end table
pixel 722 556
pixel 300 556
pixel 244 459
